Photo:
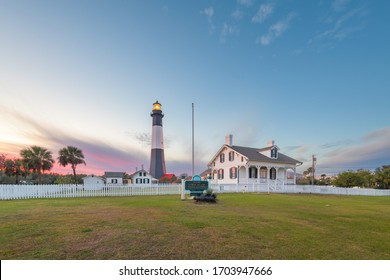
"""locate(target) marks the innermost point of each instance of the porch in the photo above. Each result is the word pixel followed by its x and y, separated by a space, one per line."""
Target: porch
pixel 274 175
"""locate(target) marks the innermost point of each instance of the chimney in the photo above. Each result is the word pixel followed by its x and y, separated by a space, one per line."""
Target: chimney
pixel 229 139
pixel 270 143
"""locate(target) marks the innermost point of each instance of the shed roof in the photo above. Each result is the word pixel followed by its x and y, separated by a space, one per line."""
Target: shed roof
pixel 114 174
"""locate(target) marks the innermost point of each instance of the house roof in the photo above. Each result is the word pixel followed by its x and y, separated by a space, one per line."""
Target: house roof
pixel 138 171
pixel 206 172
pixel 168 176
pixel 114 174
pixel 254 154
pixel 92 176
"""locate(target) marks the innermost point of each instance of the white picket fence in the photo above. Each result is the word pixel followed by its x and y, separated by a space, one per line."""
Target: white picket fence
pixel 306 189
pixel 8 192
pixel 62 191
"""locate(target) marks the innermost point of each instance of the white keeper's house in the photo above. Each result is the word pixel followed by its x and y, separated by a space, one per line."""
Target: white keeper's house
pixel 142 178
pixel 245 165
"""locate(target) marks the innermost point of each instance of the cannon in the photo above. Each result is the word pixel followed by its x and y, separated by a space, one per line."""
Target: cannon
pixel 206 197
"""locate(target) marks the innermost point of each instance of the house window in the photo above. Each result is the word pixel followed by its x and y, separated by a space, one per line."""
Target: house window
pixel 220 174
pixel 231 156
pixel 274 153
pixel 114 181
pixel 233 173
pixel 252 172
pixel 242 159
pixel 140 174
pixel 263 172
pixel 272 173
pixel 222 158
pixel 144 174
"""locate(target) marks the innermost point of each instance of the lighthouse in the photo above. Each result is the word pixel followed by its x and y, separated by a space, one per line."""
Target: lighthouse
pixel 157 161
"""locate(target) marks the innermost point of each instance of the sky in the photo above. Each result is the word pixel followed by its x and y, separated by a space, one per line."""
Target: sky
pixel 314 76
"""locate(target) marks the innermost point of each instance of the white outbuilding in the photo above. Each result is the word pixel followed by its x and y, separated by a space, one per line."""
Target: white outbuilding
pixel 142 178
pixel 114 178
pixel 93 182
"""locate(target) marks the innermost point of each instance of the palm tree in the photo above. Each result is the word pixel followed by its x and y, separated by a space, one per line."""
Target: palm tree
pixel 37 159
pixel 2 160
pixel 71 155
pixel 14 168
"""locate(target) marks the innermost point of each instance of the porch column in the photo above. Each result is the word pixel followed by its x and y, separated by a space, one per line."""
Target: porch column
pixel 295 175
pixel 247 174
pixel 238 175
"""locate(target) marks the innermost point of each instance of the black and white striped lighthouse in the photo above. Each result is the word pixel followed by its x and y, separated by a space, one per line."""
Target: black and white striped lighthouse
pixel 157 160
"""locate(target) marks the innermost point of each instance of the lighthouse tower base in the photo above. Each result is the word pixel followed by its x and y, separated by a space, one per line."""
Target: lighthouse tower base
pixel 157 163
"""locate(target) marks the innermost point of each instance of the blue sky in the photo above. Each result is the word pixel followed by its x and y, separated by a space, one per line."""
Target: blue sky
pixel 311 75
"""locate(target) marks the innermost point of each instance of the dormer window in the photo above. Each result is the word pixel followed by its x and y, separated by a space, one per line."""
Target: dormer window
pixel 231 156
pixel 274 153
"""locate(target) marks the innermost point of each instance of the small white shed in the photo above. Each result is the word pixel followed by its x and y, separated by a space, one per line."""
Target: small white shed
pixel 93 182
pixel 114 178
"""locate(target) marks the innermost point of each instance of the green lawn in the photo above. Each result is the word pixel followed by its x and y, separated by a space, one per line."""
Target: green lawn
pixel 239 226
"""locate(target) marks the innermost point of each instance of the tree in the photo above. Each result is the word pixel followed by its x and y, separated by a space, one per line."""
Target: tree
pixel 64 180
pixel 14 168
pixel 382 177
pixel 308 172
pixel 73 156
pixel 324 180
pixel 2 160
pixel 361 178
pixel 349 179
pixel 367 178
pixel 37 159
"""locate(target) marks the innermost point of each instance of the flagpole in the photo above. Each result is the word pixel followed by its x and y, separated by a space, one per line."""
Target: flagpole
pixel 193 154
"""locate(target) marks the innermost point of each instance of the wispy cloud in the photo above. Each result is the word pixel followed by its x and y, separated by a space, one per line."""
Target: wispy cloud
pixel 336 144
pixel 237 14
pixel 343 21
pixel 263 13
pixel 246 3
pixel 99 156
pixel 209 13
pixel 339 5
pixel 370 151
pixel 297 149
pixel 276 30
pixel 145 139
pixel 299 152
pixel 228 30
pixel 339 29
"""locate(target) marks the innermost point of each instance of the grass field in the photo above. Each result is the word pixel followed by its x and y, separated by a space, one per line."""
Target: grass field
pixel 239 226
